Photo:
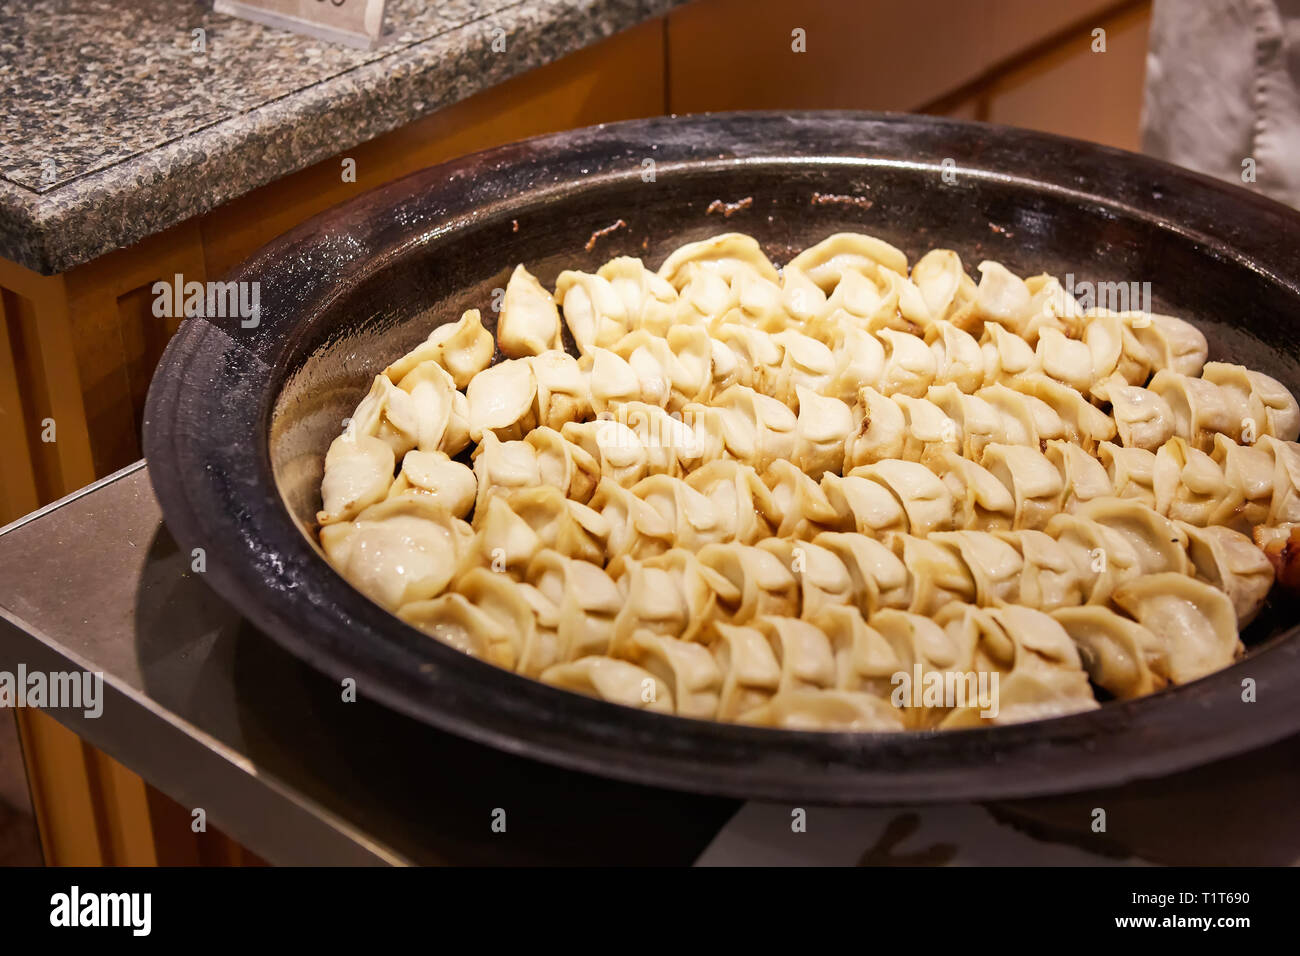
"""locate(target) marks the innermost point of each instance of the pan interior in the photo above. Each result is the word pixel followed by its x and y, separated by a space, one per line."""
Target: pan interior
pixel 333 355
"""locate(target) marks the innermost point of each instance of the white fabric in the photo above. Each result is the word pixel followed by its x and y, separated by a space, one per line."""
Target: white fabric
pixel 1223 86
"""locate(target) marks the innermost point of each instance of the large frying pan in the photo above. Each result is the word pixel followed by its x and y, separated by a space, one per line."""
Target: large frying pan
pixel 238 419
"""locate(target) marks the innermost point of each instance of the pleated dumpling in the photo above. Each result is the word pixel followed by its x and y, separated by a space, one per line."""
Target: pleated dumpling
pixel 586 597
pixel 611 680
pixel 1195 622
pixel 529 323
pixel 399 550
pixel 1157 543
pixel 501 400
pixel 728 255
pixel 828 261
pixel 1121 656
pixel 358 473
pixel 463 348
pixel 687 669
pixel 447 483
pixel 465 626
pixel 827 710
pixel 1040 672
pixel 1232 563
pixel 750 671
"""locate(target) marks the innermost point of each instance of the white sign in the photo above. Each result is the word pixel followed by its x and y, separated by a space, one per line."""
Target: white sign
pixel 356 23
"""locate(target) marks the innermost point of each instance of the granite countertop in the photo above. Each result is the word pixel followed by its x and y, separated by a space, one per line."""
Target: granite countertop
pixel 113 128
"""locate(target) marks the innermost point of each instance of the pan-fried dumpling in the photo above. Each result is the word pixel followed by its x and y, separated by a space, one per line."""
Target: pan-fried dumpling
pixel 399 550
pixel 1194 621
pixel 1049 578
pixel 1198 407
pixel 823 427
pixel 738 497
pixel 980 500
pixel 1085 424
pixel 728 254
pixel 670 370
pixel 1131 472
pixel 612 680
pixel 1169 342
pixel 802 299
pixel 1157 543
pixel 1254 401
pixel 593 309
pixel 504 467
pixel 825 710
pixel 882 433
pixel 691 515
pixel 757 428
pixel 1036 487
pixel 828 261
pixel 859 359
pixel 943 283
pixel 1083 476
pixel 879 578
pixel 1190 486
pixel 688 670
pixel 994 566
pixel 864 505
pixel 1103 556
pixel 803 652
pixel 922 647
pixel 560 523
pixel 925 499
pixel 910 366
pixel 800 506
pixel 1002 297
pixel 823 579
pixel 805 364
pixel 864 661
pixel 978 422
pixel 703 594
pixel 441 413
pixel 586 597
pixel 1247 472
pixel 636 529
pixel 758 582
pixel 1026 420
pixel 1006 355
pixel 1285 506
pixel 501 400
pixel 1121 656
pixel 564 465
pixel 757 356
pixel 958 358
pixel 939 575
pixel 446 482
pixel 760 302
pixel 649 302
pixel 1143 418
pixel 1232 563
pixel 617 450
pixel 1065 359
pixel 1040 671
pixel 750 670
pixel 563 391
pixel 358 473
pixel 463 348
pixel 529 323
pixel 465 626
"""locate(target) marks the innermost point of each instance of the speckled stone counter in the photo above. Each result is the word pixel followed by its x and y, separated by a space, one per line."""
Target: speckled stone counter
pixel 113 126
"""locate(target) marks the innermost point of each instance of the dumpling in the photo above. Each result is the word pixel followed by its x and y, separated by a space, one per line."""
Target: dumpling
pixel 1121 656
pixel 399 550
pixel 1195 622
pixel 501 400
pixel 612 680
pixel 463 348
pixel 529 323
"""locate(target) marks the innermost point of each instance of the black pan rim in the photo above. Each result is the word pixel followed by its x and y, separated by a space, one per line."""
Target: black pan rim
pixel 263 565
